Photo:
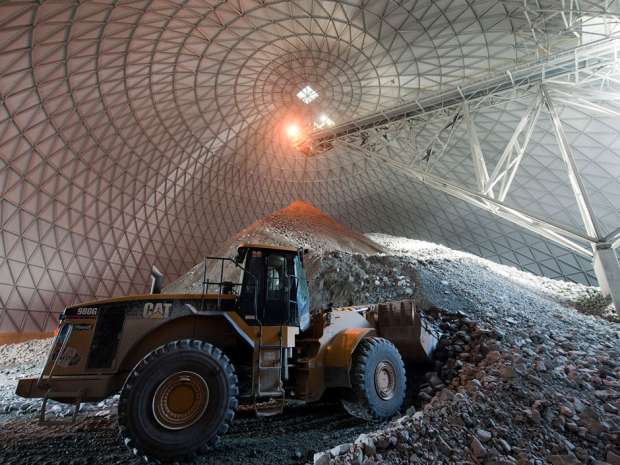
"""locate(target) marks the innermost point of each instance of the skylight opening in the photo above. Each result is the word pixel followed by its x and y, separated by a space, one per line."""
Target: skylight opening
pixel 307 94
pixel 323 121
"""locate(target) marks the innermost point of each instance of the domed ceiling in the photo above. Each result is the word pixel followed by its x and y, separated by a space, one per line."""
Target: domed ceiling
pixel 146 132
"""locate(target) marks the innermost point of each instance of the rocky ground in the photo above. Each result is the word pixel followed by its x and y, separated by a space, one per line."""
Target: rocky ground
pixel 291 438
pixel 527 372
pixel 535 381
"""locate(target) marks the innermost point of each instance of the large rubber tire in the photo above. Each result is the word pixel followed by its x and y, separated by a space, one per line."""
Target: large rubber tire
pixel 366 399
pixel 139 428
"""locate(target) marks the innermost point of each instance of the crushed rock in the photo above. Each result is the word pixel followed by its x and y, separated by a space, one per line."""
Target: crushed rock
pixel 586 299
pixel 539 384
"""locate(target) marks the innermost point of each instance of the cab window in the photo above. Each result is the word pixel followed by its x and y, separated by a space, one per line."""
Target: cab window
pixel 251 291
pixel 275 277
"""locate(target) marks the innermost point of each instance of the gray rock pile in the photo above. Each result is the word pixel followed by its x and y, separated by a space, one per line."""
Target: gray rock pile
pixel 26 360
pixel 533 399
pixel 299 225
pixel 436 257
pixel 346 279
pixel 18 361
pixel 462 342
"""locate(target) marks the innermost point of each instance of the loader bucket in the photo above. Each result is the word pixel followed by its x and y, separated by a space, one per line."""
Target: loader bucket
pixel 400 323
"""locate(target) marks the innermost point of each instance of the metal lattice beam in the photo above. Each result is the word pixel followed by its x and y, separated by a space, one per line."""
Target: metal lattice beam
pixel 578 64
pixel 378 138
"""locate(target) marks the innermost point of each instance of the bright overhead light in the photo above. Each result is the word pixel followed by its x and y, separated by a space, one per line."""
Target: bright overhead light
pixel 293 131
pixel 307 94
pixel 323 121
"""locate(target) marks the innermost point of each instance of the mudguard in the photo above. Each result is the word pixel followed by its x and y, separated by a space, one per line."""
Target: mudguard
pixel 339 354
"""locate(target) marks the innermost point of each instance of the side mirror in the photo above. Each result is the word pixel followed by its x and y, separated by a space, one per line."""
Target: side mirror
pixel 157 280
pixel 240 257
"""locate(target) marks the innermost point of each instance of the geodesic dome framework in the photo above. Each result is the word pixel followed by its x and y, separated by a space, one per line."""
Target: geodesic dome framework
pixel 135 133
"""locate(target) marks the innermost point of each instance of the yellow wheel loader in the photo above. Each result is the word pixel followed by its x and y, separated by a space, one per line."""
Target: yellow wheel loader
pixel 184 362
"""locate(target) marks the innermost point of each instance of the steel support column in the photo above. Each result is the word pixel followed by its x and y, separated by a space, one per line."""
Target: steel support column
pixel 604 260
pixel 607 270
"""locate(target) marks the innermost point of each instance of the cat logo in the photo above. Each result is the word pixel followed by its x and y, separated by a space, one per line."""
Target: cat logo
pixel 156 311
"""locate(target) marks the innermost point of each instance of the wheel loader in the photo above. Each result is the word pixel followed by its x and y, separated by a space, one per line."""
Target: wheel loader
pixel 183 363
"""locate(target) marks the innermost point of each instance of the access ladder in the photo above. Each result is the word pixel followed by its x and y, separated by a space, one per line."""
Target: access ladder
pixel 268 381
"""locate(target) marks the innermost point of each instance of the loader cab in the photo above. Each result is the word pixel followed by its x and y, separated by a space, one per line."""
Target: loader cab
pixel 274 288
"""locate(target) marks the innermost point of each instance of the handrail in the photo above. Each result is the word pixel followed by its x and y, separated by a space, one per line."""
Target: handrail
pixel 290 301
pixel 63 346
pixel 206 283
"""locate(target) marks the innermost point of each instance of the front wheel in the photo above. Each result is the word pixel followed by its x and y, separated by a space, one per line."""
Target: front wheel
pixel 378 380
pixel 177 401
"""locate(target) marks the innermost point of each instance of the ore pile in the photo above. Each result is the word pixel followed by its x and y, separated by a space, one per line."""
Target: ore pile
pixel 344 279
pixel 544 397
pixel 300 225
pixel 477 279
pixel 462 342
pixel 343 266
pixel 303 225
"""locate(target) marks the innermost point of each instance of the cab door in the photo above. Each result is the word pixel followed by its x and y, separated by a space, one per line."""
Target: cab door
pixel 252 299
pixel 277 293
pixel 266 292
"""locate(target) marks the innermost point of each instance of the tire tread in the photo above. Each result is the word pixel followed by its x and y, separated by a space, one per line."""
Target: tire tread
pixel 178 345
pixel 361 406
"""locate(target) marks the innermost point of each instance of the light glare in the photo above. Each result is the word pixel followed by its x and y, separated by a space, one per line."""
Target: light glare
pixel 293 131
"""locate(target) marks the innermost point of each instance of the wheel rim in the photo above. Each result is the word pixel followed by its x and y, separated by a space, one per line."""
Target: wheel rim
pixel 385 380
pixel 180 400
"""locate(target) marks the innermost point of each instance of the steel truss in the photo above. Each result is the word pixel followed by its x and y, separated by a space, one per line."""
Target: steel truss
pixel 580 78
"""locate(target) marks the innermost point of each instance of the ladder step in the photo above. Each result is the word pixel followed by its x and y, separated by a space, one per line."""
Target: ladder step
pixel 271 393
pixel 77 403
pixel 272 354
pixel 270 410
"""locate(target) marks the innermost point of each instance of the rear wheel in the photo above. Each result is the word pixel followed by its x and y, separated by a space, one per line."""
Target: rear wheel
pixel 177 401
pixel 377 379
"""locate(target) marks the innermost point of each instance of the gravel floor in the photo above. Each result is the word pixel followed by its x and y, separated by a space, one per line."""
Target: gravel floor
pixel 286 439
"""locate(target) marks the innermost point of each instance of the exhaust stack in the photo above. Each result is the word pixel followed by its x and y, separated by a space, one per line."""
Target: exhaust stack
pixel 157 280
